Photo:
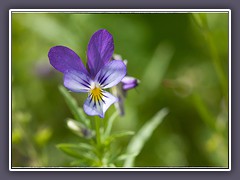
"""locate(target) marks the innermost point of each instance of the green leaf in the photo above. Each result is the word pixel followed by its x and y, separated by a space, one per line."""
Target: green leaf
pixel 126 156
pixel 77 112
pixel 109 124
pixel 79 151
pixel 121 134
pixel 118 135
pixel 137 142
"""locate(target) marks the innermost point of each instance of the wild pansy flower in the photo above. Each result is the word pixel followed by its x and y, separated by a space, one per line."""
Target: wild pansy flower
pixel 120 91
pixel 101 72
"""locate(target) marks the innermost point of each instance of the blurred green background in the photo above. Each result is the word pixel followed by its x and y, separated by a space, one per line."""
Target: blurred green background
pixel 181 60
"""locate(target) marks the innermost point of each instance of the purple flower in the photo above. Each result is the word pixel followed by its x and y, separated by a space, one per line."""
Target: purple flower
pixel 101 73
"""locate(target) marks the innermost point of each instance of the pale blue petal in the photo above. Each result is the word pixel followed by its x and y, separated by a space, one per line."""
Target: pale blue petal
pixel 111 74
pixel 92 108
pixel 76 81
pixel 99 108
pixel 109 99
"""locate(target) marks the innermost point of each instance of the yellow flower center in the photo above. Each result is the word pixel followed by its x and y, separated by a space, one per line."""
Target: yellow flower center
pixel 96 94
pixel 96 91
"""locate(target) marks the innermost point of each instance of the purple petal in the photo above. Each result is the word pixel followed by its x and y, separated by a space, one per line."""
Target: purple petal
pixel 129 82
pixel 63 59
pixel 76 81
pixel 100 51
pixel 111 74
pixel 99 108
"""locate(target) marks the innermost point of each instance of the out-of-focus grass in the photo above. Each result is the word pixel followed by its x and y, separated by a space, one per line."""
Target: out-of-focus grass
pixel 181 65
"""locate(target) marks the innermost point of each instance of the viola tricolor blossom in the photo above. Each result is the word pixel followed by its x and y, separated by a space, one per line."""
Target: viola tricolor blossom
pixel 101 72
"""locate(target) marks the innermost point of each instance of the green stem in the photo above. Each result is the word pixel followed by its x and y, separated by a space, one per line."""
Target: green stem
pixel 110 124
pixel 98 134
pixel 99 145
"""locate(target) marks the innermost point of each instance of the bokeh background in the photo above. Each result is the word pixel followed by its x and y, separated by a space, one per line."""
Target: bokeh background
pixel 181 60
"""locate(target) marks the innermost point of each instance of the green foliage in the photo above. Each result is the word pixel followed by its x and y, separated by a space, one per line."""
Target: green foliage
pixel 80 151
pixel 76 111
pixel 96 150
pixel 137 142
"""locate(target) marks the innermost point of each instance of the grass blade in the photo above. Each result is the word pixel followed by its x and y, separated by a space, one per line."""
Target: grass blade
pixel 137 142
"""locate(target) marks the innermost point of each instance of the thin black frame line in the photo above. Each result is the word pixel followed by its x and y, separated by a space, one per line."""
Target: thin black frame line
pixel 132 168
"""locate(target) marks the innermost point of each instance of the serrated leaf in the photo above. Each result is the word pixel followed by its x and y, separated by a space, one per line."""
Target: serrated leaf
pixel 137 142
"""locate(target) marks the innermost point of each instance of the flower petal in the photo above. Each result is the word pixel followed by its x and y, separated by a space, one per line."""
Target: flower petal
pixel 62 58
pixel 129 82
pixel 99 108
pixel 108 99
pixel 100 50
pixel 111 74
pixel 76 81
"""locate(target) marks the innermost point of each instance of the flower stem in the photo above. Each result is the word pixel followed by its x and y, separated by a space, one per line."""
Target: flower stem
pixel 98 134
pixel 98 141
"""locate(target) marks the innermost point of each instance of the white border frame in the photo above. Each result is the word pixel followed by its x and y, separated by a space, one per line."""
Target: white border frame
pixel 119 11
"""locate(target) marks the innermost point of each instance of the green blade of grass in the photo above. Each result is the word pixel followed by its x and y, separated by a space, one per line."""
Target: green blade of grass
pixel 118 135
pixel 157 67
pixel 110 124
pixel 137 142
